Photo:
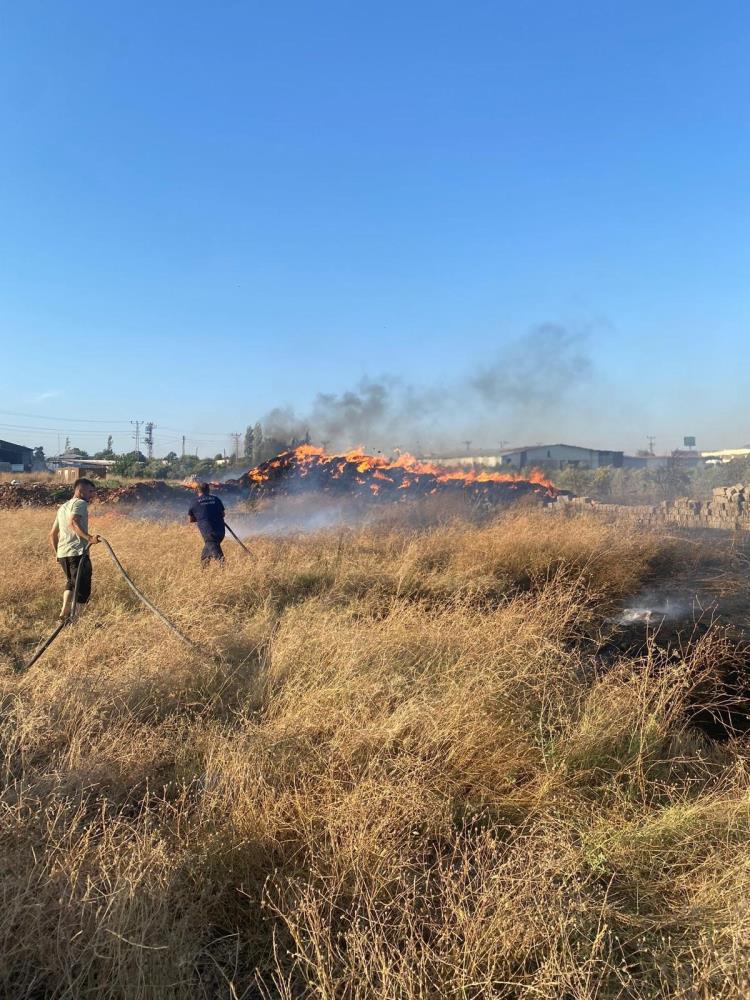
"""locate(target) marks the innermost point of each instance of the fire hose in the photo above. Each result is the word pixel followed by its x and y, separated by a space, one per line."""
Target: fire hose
pixel 139 594
pixel 237 539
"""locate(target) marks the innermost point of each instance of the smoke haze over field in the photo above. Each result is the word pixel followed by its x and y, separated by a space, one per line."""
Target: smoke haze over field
pixel 538 370
pixel 521 390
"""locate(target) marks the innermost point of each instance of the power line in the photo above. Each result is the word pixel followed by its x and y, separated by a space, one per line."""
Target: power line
pixel 137 435
pixel 218 435
pixel 50 430
pixel 149 439
pixel 198 435
pixel 88 436
pixel 67 420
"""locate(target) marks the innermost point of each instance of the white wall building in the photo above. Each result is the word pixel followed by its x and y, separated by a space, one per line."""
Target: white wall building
pixel 561 456
pixel 556 456
pixel 725 455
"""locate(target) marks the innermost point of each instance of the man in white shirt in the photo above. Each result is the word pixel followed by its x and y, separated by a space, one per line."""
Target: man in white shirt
pixel 70 539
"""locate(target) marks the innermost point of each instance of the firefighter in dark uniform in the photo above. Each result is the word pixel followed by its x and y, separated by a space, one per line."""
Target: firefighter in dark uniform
pixel 208 513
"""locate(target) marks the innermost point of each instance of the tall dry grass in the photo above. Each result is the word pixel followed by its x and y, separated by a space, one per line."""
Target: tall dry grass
pixel 403 777
pixel 28 477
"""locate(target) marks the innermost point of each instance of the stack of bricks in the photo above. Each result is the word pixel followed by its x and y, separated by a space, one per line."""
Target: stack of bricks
pixel 728 509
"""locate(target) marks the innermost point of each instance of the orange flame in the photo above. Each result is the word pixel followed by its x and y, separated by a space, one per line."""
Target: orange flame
pixel 307 456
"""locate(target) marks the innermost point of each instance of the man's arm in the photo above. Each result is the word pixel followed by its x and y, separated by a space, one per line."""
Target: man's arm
pixel 54 536
pixel 75 525
pixel 191 516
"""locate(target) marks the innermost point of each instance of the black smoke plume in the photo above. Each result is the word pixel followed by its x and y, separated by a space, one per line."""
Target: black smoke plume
pixel 532 376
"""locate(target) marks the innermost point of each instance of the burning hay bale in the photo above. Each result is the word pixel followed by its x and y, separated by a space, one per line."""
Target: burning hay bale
pixel 374 478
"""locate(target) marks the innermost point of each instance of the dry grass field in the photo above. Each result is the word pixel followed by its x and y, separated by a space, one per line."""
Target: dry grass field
pixel 27 477
pixel 403 774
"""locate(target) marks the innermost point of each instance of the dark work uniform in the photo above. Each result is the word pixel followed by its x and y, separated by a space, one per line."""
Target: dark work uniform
pixel 208 514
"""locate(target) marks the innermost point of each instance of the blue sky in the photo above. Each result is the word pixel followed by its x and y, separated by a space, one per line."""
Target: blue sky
pixel 208 210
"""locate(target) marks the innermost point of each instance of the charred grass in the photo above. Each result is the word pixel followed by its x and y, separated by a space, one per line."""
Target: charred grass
pixel 405 775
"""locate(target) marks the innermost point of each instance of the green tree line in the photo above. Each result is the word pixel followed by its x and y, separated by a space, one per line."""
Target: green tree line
pixel 258 447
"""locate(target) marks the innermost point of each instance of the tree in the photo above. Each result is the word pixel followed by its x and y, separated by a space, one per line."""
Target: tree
pixel 602 481
pixel 257 444
pixel 129 464
pixel 249 439
pixel 575 478
pixel 39 454
pixel 109 443
pixel 670 479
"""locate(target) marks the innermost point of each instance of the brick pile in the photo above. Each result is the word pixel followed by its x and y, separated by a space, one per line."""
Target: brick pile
pixel 728 510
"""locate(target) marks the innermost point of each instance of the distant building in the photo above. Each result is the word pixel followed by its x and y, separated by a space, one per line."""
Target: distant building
pixel 686 459
pixel 642 461
pixel 16 457
pixel 70 473
pixel 723 456
pixel 560 456
pixel 70 469
pixel 486 459
pixel 551 456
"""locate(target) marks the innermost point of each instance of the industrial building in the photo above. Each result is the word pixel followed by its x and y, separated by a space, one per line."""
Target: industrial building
pixel 15 457
pixel 724 455
pixel 551 456
pixel 679 457
pixel 561 456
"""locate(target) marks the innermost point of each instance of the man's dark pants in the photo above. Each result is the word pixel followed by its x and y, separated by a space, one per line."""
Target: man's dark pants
pixel 212 549
pixel 70 569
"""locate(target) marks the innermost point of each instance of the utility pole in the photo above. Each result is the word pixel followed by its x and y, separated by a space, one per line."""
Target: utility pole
pixel 137 435
pixel 468 448
pixel 109 442
pixel 235 436
pixel 183 445
pixel 149 439
pixel 651 442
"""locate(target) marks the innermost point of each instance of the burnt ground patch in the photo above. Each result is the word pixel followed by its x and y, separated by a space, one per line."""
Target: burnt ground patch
pixel 698 616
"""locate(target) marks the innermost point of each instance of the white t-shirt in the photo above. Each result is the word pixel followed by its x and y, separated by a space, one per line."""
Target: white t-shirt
pixel 68 542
